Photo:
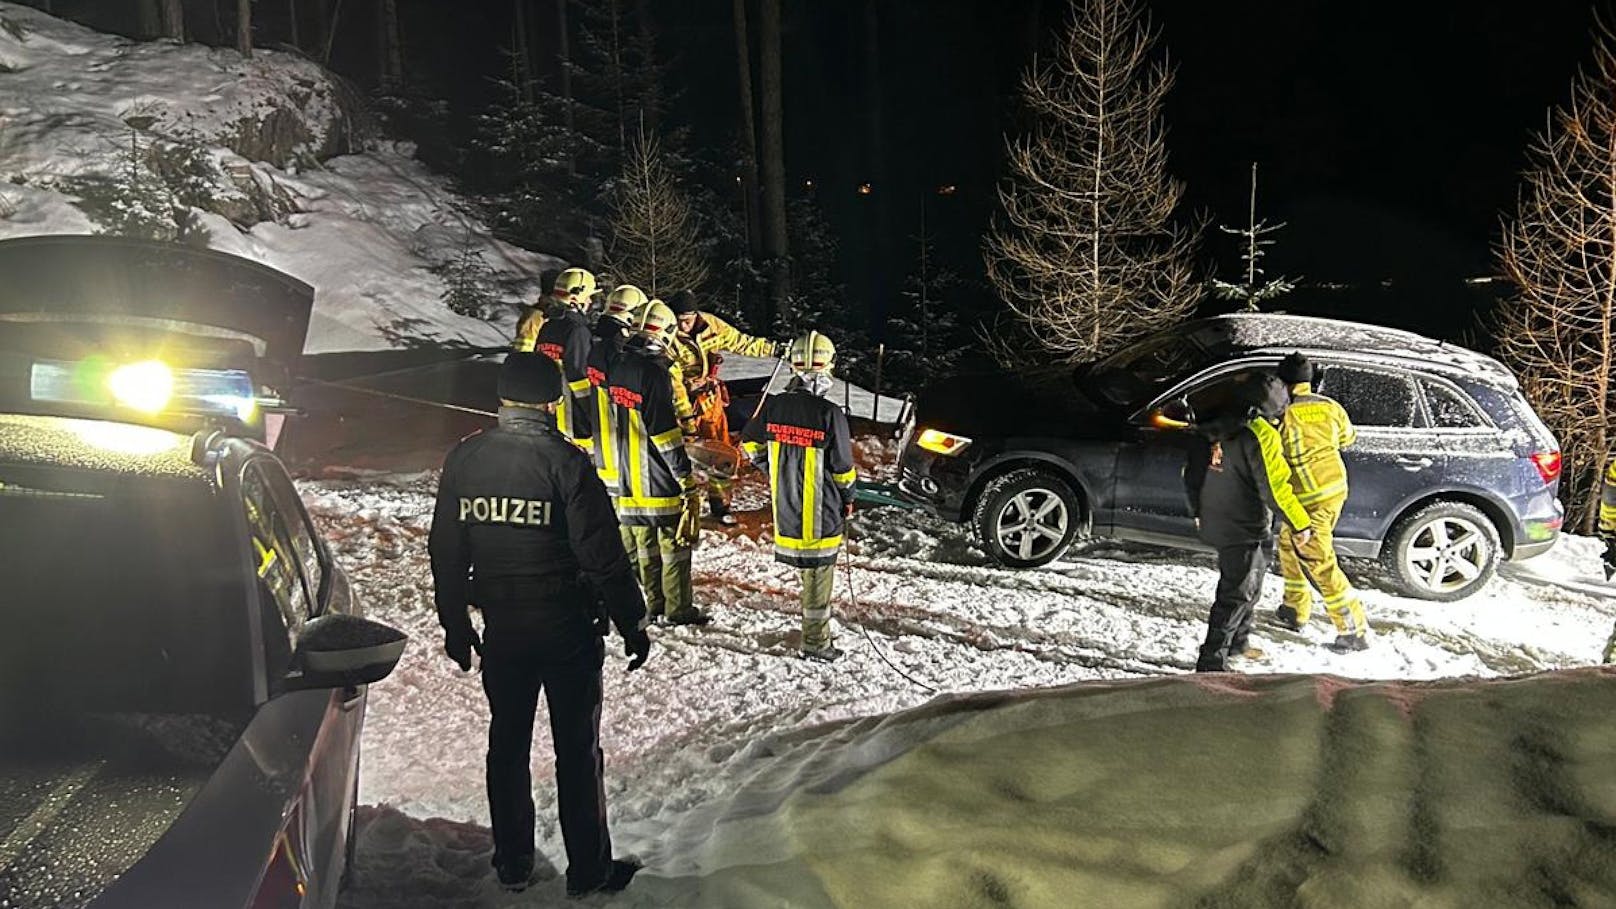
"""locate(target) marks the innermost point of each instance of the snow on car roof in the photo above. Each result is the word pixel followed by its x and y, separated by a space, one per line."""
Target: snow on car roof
pixel 99 446
pixel 1283 333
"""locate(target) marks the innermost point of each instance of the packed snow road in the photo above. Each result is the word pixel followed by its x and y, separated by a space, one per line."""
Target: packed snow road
pixel 690 728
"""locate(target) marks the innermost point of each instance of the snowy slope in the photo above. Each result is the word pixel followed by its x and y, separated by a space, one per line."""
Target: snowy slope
pixel 364 229
pixel 685 736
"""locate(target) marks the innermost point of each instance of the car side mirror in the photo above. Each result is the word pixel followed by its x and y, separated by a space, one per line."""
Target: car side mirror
pixel 1173 415
pixel 343 651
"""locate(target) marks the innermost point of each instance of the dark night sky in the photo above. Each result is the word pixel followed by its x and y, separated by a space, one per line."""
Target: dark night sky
pixel 1389 134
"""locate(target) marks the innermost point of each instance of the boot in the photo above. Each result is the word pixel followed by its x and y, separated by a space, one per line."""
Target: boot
pixel 1349 643
pixel 1285 617
pixel 689 615
pixel 515 874
pixel 720 510
pixel 826 654
pixel 617 879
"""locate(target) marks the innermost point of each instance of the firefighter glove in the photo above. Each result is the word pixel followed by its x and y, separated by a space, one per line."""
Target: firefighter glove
pixel 636 646
pixel 689 520
pixel 460 644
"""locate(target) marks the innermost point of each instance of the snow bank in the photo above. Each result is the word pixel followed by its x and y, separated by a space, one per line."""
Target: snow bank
pixel 690 739
pixel 367 230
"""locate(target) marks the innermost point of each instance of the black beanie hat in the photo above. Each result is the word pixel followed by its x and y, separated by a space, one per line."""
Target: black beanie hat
pixel 529 378
pixel 1267 396
pixel 1295 369
pixel 682 302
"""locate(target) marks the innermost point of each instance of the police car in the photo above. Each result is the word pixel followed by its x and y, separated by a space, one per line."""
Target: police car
pixel 183 665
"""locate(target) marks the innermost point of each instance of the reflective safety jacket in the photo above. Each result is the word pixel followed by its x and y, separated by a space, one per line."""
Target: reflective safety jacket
pixel 694 351
pixel 653 469
pixel 566 339
pixel 1314 431
pixel 802 441
pixel 1236 479
pixel 522 523
pixel 1607 503
pixel 610 336
pixel 532 320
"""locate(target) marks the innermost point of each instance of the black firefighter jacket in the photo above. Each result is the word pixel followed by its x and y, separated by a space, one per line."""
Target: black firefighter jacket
pixel 566 339
pixel 610 336
pixel 523 523
pixel 802 441
pixel 654 470
pixel 1236 478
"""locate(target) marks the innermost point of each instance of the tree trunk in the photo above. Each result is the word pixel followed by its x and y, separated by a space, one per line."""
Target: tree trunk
pixel 244 41
pixel 524 57
pixel 749 151
pixel 291 18
pixel 151 19
pixel 391 47
pixel 564 53
pixel 174 19
pixel 642 16
pixel 330 18
pixel 775 244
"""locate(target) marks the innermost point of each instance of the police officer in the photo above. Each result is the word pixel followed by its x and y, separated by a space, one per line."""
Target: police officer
pixel 801 442
pixel 524 531
pixel 658 498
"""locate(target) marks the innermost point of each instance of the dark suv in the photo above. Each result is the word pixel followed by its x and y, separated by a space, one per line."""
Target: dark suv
pixel 1452 470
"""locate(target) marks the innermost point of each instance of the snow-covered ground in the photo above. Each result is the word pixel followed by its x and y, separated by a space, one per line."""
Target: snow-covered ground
pixel 721 711
pixel 365 229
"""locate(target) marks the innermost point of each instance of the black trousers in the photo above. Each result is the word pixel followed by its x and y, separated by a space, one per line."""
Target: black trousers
pixel 1240 575
pixel 518 663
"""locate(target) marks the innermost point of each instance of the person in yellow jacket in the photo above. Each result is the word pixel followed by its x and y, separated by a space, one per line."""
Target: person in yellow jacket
pixel 571 290
pixel 1314 431
pixel 1607 532
pixel 702 337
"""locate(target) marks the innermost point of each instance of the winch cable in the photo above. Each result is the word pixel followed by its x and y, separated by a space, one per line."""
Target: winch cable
pixel 852 596
pixel 392 396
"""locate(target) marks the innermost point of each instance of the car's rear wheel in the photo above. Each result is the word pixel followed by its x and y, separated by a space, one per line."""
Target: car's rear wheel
pixel 1027 517
pixel 1446 551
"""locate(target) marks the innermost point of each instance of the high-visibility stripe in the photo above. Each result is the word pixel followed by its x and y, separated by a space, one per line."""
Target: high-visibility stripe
pixel 751 449
pixel 563 417
pixel 845 479
pixel 799 545
pixel 636 467
pixel 774 483
pixel 606 438
pixel 580 387
pixel 668 441
pixel 1278 473
pixel 1334 490
pixel 810 492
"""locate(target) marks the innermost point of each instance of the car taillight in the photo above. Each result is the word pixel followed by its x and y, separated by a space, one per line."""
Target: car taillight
pixel 1548 465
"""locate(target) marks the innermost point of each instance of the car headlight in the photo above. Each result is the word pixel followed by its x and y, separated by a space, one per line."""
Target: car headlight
pixel 943 443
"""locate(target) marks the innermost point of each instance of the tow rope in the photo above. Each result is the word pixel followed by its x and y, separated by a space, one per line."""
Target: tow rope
pixel 852 596
pixel 398 397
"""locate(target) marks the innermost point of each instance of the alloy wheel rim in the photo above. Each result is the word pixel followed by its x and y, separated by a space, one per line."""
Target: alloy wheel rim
pixel 1032 524
pixel 1446 554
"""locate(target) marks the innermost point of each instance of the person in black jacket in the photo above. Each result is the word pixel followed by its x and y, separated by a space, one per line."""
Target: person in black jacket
pixel 1237 478
pixel 566 338
pixel 523 530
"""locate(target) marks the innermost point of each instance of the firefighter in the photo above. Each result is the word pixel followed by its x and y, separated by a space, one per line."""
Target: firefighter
pixel 1237 478
pixel 658 497
pixel 612 331
pixel 801 441
pixel 570 289
pixel 1314 431
pixel 523 530
pixel 702 338
pixel 1607 532
pixel 566 338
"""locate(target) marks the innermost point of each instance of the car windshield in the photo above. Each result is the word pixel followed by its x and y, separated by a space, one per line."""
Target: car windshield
pixel 1135 374
pixel 121 595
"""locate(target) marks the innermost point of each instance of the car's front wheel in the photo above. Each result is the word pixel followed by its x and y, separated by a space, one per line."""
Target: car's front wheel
pixel 1027 517
pixel 1446 551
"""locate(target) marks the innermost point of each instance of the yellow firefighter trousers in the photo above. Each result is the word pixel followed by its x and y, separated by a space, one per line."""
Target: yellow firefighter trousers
pixel 1313 565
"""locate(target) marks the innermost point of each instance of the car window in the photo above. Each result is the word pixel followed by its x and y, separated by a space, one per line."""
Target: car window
pixel 1450 409
pixel 304 538
pixel 275 559
pixel 1372 398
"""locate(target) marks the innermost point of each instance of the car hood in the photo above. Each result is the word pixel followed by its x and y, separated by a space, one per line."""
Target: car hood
pixel 83 799
pixel 1003 402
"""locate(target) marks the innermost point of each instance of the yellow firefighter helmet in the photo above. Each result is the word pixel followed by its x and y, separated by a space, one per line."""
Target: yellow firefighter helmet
pixel 577 284
pixel 812 352
pixel 623 302
pixel 656 322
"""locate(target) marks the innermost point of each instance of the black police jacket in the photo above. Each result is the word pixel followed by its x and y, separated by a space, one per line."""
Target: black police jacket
pixel 523 523
pixel 1236 479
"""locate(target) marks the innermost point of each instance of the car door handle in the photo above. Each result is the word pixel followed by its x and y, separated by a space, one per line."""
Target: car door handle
pixel 352 698
pixel 1413 464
